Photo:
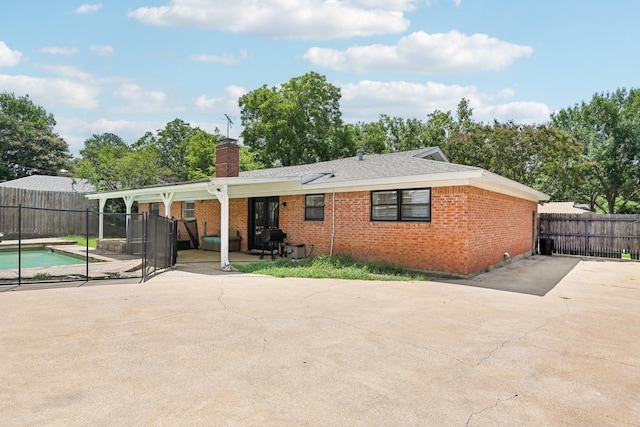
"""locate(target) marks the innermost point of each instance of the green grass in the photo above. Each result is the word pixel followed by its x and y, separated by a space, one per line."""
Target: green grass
pixel 82 241
pixel 324 267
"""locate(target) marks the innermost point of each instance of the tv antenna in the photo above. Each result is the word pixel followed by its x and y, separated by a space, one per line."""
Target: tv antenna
pixel 229 124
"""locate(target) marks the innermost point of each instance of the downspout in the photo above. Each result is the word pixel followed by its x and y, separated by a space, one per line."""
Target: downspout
pixel 333 222
pixel 222 194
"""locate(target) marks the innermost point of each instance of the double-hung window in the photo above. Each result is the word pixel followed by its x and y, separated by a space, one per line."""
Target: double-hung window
pixel 314 207
pixel 188 210
pixel 401 205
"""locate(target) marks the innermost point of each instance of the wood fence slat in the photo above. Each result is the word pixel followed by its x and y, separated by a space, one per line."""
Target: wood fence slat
pixel 608 236
pixel 44 213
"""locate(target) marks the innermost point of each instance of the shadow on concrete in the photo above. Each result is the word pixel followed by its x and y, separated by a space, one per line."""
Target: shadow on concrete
pixel 535 275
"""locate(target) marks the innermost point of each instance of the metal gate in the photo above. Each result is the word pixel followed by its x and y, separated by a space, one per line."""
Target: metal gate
pixel 161 244
pixel 606 236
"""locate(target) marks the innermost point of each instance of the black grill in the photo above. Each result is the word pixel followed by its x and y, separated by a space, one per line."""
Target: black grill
pixel 273 235
pixel 272 240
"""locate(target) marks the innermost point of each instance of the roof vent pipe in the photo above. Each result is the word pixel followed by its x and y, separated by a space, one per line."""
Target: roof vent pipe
pixel 360 154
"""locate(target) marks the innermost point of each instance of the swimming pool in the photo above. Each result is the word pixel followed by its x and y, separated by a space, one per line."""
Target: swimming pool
pixel 38 258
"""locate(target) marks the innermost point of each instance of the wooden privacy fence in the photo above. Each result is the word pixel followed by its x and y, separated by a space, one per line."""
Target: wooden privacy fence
pixel 43 213
pixel 607 236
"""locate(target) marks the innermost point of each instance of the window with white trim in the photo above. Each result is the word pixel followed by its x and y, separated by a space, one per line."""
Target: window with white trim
pixel 188 210
pixel 401 205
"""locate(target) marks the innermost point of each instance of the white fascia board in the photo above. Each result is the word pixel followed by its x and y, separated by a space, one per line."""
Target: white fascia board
pixel 248 181
pixel 238 186
pixel 493 182
pixel 147 191
pixel 428 180
pixel 476 178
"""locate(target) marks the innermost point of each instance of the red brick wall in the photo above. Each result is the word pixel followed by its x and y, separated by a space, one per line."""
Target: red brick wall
pixel 470 229
pixel 208 211
pixel 498 224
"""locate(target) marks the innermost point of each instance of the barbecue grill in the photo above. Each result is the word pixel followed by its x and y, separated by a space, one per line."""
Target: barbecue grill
pixel 273 239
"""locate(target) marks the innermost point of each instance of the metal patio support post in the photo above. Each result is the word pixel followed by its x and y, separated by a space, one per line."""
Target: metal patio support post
pixel 20 244
pixel 167 199
pixel 87 245
pixel 145 236
pixel 103 201
pixel 222 194
pixel 128 202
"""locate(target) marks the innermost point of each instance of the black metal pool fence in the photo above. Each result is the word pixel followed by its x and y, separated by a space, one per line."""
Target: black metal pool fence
pixel 135 245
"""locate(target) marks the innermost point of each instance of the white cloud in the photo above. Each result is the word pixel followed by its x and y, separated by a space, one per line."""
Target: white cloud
pixel 224 59
pixel 50 92
pixel 88 8
pixel 101 50
pixel 139 100
pixel 519 112
pixel 66 71
pixel 75 130
pixel 53 50
pixel 366 100
pixel 8 57
pixel 419 52
pixel 304 19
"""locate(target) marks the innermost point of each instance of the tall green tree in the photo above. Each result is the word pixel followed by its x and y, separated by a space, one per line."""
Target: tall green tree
pixel 172 144
pixel 609 128
pixel 201 155
pixel 296 123
pixel 99 162
pixel 28 144
pixel 539 156
pixel 110 164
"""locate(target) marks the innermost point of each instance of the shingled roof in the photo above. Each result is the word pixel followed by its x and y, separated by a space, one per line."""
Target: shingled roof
pixel 372 166
pixel 50 183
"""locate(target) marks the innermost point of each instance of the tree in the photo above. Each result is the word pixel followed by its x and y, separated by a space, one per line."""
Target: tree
pixel 171 143
pixel 390 134
pixel 201 155
pixel 99 163
pixel 28 144
pixel 608 126
pixel 297 123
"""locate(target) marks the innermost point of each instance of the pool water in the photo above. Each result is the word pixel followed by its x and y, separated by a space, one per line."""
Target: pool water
pixel 37 258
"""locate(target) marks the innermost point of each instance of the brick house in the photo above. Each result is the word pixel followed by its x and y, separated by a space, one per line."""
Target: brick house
pixel 411 208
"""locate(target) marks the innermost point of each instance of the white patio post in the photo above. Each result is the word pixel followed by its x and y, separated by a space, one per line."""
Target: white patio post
pixel 222 195
pixel 167 199
pixel 103 201
pixel 128 201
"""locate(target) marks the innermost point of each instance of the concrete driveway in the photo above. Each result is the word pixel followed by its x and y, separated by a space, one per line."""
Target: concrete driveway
pixel 240 350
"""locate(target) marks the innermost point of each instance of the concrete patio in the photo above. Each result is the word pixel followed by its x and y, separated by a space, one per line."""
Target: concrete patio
pixel 237 349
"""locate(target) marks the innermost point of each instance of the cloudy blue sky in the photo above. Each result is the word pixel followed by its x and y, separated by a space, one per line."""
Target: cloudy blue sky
pixel 129 67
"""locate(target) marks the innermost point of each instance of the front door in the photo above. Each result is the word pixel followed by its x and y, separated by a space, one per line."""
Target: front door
pixel 263 214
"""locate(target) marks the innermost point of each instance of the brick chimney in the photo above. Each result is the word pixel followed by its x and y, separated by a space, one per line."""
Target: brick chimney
pixel 227 158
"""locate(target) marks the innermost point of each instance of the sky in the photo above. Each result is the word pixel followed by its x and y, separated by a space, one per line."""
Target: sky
pixel 130 67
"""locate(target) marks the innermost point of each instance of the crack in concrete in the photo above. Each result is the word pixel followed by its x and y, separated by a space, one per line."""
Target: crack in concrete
pixel 527 333
pixel 495 405
pixel 412 344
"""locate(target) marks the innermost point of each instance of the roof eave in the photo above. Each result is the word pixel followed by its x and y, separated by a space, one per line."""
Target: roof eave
pixel 476 178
